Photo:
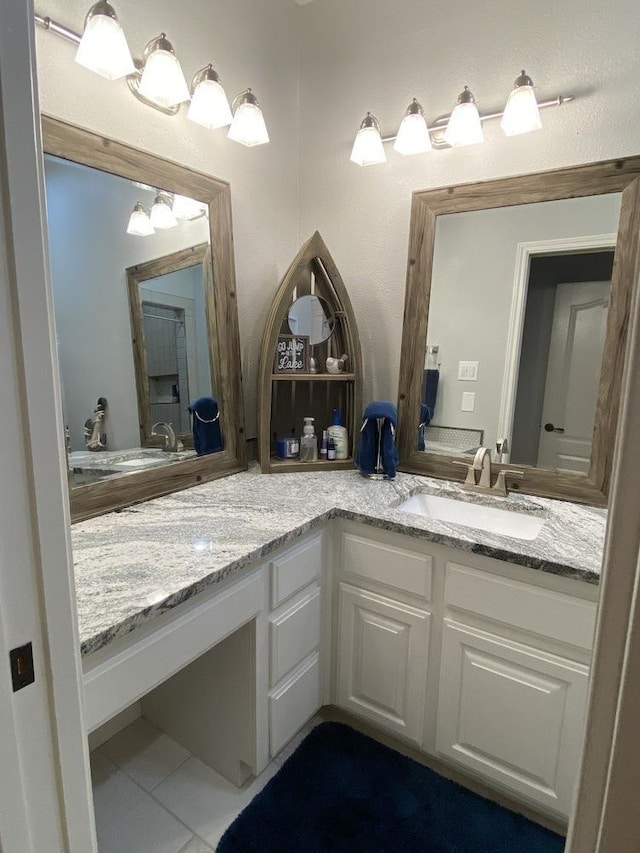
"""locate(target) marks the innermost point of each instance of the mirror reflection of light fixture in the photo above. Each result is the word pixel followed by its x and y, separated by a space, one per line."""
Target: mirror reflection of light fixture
pixel 188 208
pixel 162 78
pixel 103 47
pixel 161 213
pixel 139 222
pixel 209 105
pixel 413 135
pixel 367 148
pixel 521 114
pixel 248 126
pixel 464 126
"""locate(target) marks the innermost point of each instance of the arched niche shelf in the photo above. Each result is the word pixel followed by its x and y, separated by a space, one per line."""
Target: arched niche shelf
pixel 285 399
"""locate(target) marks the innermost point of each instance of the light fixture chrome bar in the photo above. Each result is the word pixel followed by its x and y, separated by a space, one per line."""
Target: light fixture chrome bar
pixel 48 23
pixel 440 123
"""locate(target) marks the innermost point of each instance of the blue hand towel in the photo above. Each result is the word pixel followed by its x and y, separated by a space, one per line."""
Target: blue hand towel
pixel 207 436
pixel 371 434
pixel 430 379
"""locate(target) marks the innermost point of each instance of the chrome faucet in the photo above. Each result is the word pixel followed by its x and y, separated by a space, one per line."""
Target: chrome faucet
pixel 478 477
pixel 171 442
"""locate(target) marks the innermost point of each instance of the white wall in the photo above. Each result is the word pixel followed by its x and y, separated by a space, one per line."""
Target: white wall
pixel 375 55
pixel 474 267
pixel 87 212
pixel 251 43
pixel 356 55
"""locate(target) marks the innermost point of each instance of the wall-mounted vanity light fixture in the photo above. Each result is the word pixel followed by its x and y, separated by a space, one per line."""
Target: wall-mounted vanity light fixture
pixel 462 127
pixel 157 79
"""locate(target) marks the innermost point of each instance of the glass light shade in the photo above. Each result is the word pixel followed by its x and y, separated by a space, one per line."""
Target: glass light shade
pixel 464 126
pixel 187 208
pixel 413 135
pixel 209 105
pixel 248 126
pixel 162 79
pixel 368 148
pixel 161 214
pixel 103 47
pixel 139 222
pixel 521 114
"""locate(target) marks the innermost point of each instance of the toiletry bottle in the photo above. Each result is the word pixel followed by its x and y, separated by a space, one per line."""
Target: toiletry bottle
pixel 339 435
pixel 323 446
pixel 331 449
pixel 308 443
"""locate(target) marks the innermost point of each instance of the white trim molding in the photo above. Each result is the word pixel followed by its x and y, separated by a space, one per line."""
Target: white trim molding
pixel 524 254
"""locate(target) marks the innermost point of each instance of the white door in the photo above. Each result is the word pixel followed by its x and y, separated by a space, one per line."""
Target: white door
pixel 573 374
pixel 382 660
pixel 512 714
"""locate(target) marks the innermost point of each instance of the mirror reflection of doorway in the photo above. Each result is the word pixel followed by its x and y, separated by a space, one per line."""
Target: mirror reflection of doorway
pixel 562 343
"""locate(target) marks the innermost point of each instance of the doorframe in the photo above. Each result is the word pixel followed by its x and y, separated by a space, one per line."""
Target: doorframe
pixel 52 759
pixel 524 254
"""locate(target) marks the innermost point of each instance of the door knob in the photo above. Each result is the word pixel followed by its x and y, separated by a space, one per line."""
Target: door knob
pixel 552 428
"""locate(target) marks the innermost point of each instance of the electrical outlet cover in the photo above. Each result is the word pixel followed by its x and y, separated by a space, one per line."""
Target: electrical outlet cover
pixel 468 401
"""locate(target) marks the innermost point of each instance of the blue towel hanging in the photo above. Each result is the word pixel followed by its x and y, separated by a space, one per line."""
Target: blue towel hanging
pixel 207 435
pixel 377 449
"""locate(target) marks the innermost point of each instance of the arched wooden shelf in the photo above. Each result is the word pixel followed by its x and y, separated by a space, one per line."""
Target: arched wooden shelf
pixel 284 399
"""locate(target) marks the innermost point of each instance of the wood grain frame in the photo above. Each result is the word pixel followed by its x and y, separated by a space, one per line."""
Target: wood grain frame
pixel 82 146
pixel 137 275
pixel 613 176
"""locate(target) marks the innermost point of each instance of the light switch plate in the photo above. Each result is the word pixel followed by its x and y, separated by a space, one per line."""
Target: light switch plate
pixel 468 401
pixel 468 371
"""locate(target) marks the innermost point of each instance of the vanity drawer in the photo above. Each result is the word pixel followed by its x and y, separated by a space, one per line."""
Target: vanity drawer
pixel 388 565
pixel 545 612
pixel 295 569
pixel 294 634
pixel 292 704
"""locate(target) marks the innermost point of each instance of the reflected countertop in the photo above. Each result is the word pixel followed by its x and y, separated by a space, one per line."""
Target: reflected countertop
pixel 140 562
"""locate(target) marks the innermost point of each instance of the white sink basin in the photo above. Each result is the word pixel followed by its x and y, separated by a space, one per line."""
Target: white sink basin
pixel 504 522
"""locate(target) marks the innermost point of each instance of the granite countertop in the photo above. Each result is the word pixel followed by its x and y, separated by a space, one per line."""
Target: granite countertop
pixel 140 562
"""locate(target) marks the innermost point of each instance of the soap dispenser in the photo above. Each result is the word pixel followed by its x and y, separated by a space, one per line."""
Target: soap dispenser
pixel 339 435
pixel 308 443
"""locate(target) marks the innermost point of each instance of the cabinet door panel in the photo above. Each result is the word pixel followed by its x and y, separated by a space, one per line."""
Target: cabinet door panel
pixel 382 660
pixel 511 713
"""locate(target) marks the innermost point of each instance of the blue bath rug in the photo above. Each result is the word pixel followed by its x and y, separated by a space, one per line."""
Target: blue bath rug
pixel 342 792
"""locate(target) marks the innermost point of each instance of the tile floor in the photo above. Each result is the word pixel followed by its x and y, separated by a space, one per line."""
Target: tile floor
pixel 153 796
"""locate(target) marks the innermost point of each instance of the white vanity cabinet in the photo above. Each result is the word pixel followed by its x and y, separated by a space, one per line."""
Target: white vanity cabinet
pixel 295 633
pixel 382 634
pixel 513 683
pixel 480 662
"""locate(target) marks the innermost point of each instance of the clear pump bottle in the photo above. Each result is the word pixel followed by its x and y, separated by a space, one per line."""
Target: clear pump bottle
pixel 308 443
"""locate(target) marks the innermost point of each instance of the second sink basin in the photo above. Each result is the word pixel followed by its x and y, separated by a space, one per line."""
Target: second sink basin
pixel 504 522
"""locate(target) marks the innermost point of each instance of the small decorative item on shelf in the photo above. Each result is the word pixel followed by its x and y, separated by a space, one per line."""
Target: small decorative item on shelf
pixel 337 365
pixel 292 354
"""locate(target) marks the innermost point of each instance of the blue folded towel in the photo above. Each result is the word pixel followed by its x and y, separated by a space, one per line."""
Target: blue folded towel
pixel 373 435
pixel 207 435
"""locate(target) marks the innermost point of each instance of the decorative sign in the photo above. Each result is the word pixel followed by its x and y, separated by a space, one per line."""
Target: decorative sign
pixel 292 354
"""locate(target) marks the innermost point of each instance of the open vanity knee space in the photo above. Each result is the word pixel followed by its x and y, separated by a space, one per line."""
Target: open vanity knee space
pixel 236 624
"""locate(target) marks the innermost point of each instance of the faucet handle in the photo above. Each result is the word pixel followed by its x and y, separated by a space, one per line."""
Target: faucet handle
pixel 471 475
pixel 500 485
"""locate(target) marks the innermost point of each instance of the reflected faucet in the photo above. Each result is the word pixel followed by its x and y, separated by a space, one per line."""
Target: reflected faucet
pixel 171 444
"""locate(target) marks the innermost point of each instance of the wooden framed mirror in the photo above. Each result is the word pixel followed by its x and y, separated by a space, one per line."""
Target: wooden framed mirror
pixel 170 301
pixel 517 305
pixel 93 185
